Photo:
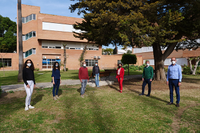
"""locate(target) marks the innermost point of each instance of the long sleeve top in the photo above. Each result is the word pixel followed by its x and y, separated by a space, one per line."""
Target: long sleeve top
pixel 83 73
pixel 95 70
pixel 147 72
pixel 121 73
pixel 174 72
pixel 28 74
pixel 56 74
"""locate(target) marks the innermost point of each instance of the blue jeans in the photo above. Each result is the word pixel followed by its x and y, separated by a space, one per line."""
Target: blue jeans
pixel 146 81
pixel 56 86
pixel 172 83
pixel 97 79
pixel 83 86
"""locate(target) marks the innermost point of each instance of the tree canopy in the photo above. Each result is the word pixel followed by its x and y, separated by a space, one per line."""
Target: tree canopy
pixel 8 31
pixel 138 23
pixel 129 59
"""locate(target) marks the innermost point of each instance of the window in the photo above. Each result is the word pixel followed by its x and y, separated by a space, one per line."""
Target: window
pixel 28 18
pixel 44 46
pixel 78 48
pixel 90 62
pixel 58 47
pixel 29 35
pixel 67 47
pixel 29 52
pixel 7 62
pixel 71 48
pixel 48 63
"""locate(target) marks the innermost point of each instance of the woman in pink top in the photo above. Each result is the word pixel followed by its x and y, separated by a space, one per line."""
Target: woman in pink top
pixel 120 76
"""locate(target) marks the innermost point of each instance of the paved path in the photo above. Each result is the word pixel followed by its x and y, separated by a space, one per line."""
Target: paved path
pixel 104 81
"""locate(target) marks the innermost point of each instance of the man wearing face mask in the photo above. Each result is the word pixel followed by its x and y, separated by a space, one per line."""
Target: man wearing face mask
pixel 95 73
pixel 174 77
pixel 83 76
pixel 147 77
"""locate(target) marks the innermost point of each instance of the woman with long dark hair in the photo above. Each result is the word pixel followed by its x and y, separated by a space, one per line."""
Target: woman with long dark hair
pixel 29 82
pixel 56 78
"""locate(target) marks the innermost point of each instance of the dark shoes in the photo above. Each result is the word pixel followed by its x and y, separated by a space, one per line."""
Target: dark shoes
pixel 148 95
pixel 177 105
pixel 141 94
pixel 169 103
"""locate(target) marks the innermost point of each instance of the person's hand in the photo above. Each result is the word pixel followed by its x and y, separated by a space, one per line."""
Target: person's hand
pixel 179 83
pixel 94 75
pixel 167 82
pixel 34 85
pixel 151 80
pixel 142 79
pixel 81 80
pixel 120 78
pixel 28 86
pixel 53 82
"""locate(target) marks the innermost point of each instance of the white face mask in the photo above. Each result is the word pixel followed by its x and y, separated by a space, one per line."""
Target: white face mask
pixel 56 65
pixel 84 65
pixel 96 64
pixel 147 65
pixel 29 64
pixel 173 62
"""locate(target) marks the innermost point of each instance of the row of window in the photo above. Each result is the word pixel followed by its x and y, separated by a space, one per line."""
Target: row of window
pixel 29 52
pixel 28 18
pixel 48 63
pixel 29 35
pixel 59 47
pixel 7 62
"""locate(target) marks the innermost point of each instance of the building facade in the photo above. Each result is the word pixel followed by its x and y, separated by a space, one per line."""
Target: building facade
pixel 44 37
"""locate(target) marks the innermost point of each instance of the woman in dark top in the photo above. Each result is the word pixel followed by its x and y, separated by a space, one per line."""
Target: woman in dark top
pixel 56 78
pixel 29 82
pixel 95 73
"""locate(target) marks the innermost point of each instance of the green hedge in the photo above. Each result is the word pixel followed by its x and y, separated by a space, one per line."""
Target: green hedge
pixel 133 67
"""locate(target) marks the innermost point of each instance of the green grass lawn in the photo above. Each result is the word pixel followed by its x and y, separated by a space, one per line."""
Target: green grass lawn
pixel 101 110
pixel 44 76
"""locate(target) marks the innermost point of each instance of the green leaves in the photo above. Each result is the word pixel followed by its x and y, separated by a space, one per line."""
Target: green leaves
pixel 8 30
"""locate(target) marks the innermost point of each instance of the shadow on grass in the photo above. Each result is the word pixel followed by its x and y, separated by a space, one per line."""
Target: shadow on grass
pixel 191 80
pixel 37 99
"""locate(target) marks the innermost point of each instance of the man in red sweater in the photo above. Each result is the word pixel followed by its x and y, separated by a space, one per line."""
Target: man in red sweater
pixel 83 76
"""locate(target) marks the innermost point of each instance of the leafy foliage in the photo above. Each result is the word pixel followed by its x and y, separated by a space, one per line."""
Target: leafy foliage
pixel 129 59
pixel 8 30
pixel 107 51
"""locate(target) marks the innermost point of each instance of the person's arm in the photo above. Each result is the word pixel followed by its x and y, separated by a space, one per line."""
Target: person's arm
pixel 180 74
pixel 24 77
pixel 143 73
pixel 152 73
pixel 99 70
pixel 87 74
pixel 52 75
pixel 93 71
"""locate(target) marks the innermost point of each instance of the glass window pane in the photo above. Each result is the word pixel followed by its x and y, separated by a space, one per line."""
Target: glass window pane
pixel 30 17
pixel 27 19
pixel 34 16
pixel 30 34
pixel 26 36
pixel 34 34
pixel 23 20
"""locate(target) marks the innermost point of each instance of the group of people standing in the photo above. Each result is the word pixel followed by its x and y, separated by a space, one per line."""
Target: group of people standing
pixel 174 78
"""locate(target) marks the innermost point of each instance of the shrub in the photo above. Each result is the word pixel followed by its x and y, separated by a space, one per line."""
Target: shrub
pixel 66 69
pixel 37 69
pixel 186 70
pixel 166 69
pixel 133 67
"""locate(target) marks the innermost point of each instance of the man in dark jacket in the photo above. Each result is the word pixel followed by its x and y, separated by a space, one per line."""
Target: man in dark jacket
pixel 95 73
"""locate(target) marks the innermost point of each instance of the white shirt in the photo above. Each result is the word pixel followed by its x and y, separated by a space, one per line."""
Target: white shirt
pixel 118 72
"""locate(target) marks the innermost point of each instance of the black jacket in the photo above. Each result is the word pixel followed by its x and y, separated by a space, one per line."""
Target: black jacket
pixel 93 70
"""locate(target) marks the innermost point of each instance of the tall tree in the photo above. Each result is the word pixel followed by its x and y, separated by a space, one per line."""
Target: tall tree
pixel 129 59
pixel 138 23
pixel 20 47
pixel 8 31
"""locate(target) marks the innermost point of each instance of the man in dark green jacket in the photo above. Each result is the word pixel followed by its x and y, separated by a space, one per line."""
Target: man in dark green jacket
pixel 147 77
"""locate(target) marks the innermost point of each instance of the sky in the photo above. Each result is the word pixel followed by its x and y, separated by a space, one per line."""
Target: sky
pixel 8 8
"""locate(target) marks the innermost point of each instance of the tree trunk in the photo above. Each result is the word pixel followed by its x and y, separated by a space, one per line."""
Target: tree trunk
pixel 158 63
pixel 82 55
pixel 190 64
pixel 65 58
pixel 195 66
pixel 20 42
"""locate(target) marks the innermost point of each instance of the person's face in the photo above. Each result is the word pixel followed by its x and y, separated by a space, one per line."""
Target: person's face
pixel 28 62
pixel 120 65
pixel 147 62
pixel 84 64
pixel 56 64
pixel 173 59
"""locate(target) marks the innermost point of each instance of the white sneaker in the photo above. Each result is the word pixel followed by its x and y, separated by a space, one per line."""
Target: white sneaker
pixel 26 108
pixel 31 107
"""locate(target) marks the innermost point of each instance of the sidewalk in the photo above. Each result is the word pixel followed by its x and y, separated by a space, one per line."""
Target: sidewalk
pixel 103 82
